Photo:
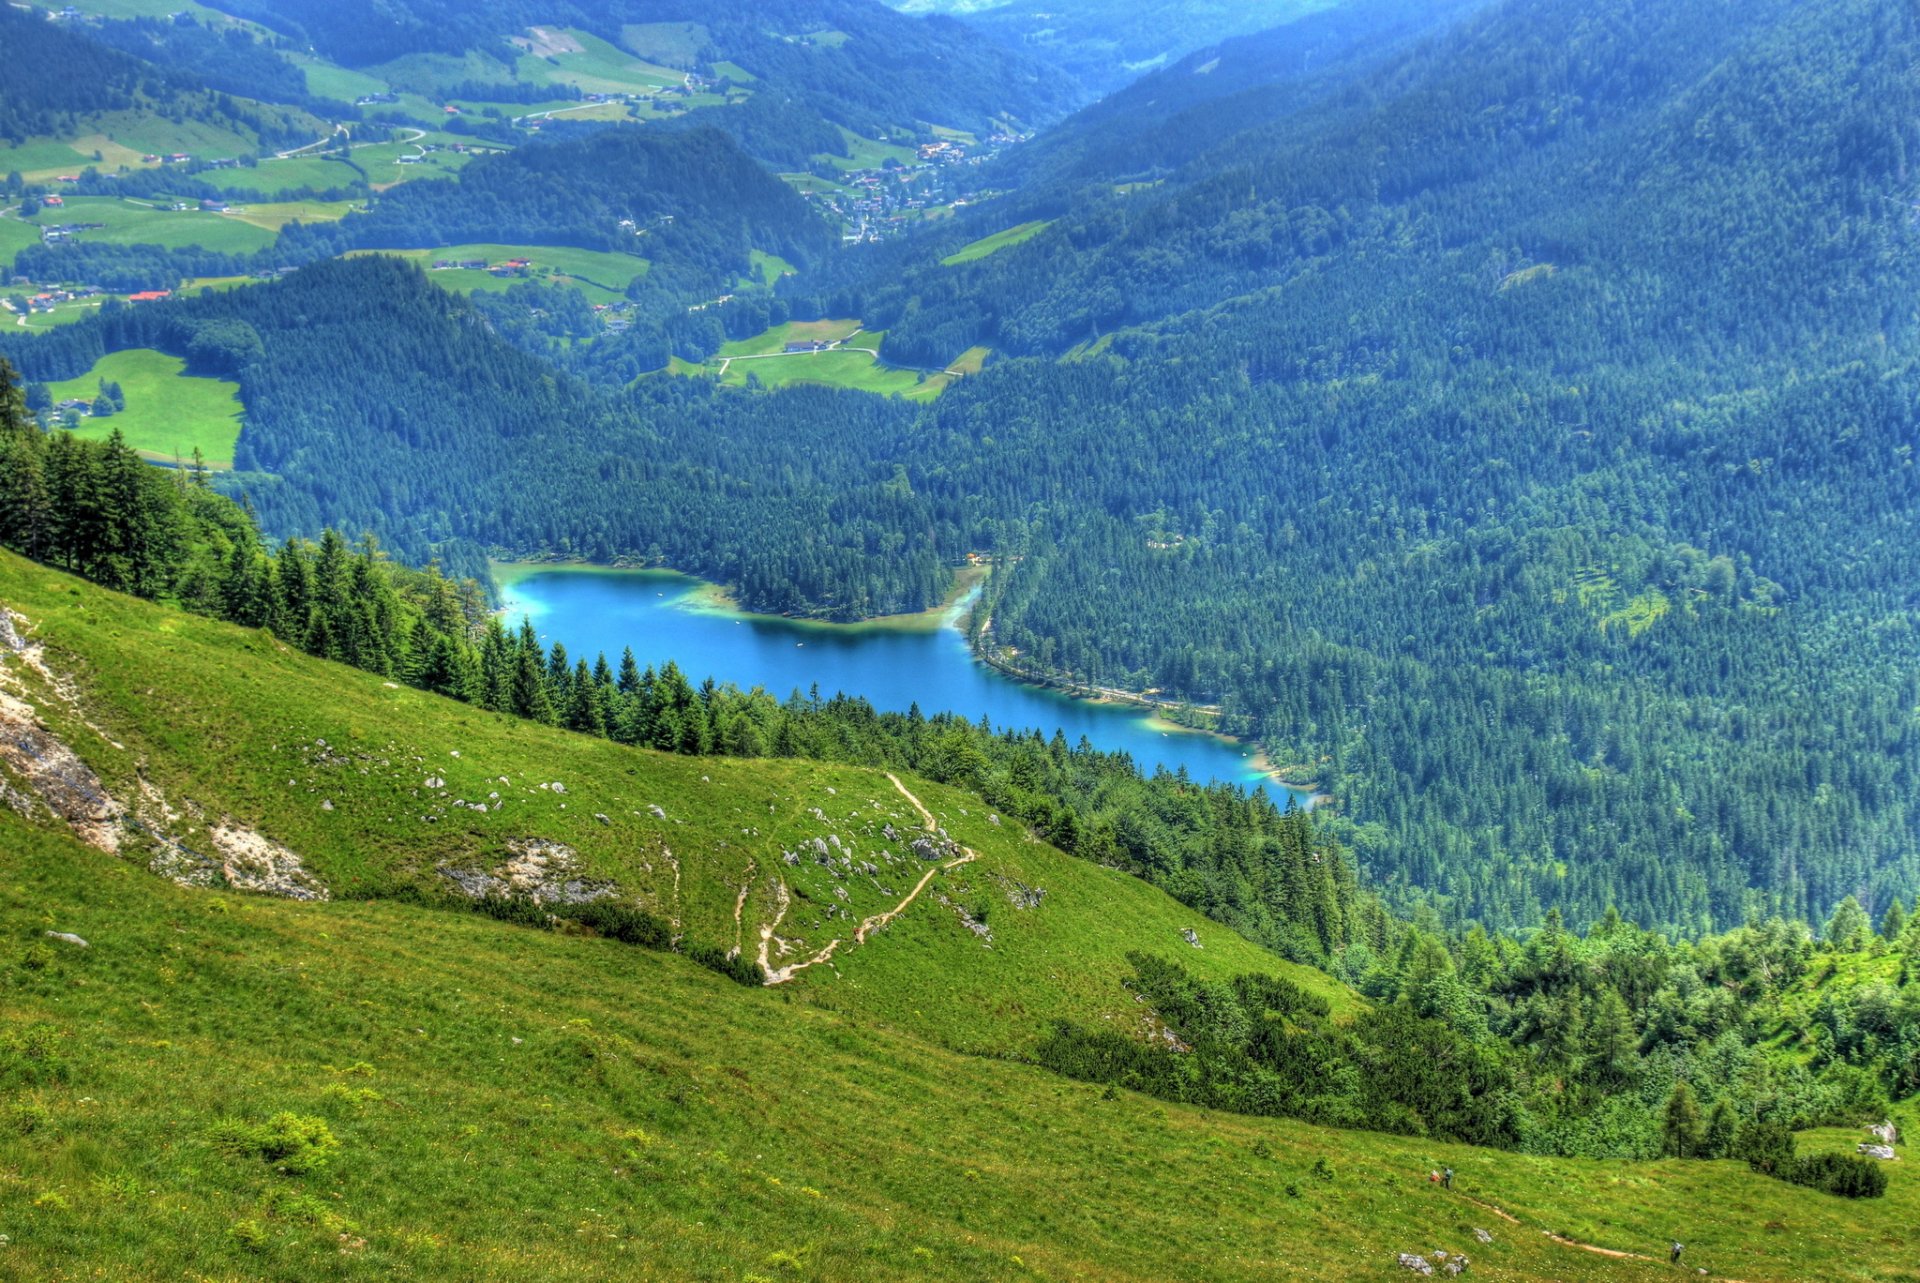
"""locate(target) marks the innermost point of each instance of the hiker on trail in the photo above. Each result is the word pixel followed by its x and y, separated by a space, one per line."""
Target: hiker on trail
pixel 1678 1247
pixel 1446 1179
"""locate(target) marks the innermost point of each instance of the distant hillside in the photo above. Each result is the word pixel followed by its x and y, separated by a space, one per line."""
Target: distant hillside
pixel 1107 43
pixel 57 81
pixel 864 65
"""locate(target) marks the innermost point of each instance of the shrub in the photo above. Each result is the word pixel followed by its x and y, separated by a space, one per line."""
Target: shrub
pixel 289 1142
pixel 1846 1175
pixel 249 1234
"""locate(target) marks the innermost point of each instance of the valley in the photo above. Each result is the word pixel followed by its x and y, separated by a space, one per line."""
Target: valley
pixel 836 639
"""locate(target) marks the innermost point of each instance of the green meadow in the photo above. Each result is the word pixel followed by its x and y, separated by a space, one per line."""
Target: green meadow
pixel 998 241
pixel 296 173
pixel 229 1086
pixel 600 275
pixel 761 361
pixel 169 412
pixel 560 56
pixel 129 222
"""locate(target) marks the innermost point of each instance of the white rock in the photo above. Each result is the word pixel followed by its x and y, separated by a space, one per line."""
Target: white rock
pixel 67 937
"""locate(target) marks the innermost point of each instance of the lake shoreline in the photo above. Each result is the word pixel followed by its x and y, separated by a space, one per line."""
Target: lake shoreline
pixel 691 596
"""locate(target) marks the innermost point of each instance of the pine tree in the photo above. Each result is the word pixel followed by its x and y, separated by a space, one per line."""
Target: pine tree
pixel 1893 922
pixel 1683 1134
pixel 1848 928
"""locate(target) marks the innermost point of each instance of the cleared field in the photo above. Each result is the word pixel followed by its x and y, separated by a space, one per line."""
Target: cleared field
pixel 769 268
pixel 673 44
pixel 561 56
pixel 814 185
pixel 140 9
pixel 61 314
pixel 330 80
pixel 384 166
pixel 869 153
pixel 15 235
pixel 42 158
pixel 296 173
pixel 169 412
pixel 128 222
pixel 761 361
pixel 275 215
pixel 998 241
pixel 600 276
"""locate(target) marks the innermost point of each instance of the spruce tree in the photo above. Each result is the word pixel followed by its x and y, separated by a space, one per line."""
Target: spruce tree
pixel 1683 1134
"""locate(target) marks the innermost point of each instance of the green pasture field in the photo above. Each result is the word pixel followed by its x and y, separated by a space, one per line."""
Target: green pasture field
pixel 998 241
pixel 169 412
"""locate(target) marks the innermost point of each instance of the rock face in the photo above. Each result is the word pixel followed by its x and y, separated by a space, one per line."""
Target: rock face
pixel 538 870
pixel 1882 1152
pixel 934 846
pixel 1191 936
pixel 1885 1132
pixel 1418 1264
pixel 250 862
pixel 54 775
pixel 1482 1236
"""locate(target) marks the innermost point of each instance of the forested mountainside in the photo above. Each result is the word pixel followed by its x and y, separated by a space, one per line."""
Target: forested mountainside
pixel 446 441
pixel 55 80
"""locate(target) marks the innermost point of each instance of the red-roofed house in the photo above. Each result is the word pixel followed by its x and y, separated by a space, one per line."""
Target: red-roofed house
pixel 148 296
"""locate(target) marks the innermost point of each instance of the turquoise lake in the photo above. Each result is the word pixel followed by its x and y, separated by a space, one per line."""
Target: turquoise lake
pixel 664 616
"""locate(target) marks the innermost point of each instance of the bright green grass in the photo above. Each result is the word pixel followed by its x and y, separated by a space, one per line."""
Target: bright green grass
pixel 168 412
pixel 511 1104
pixel 598 274
pixel 998 241
pixel 382 163
pixel 596 67
pixel 274 215
pixel 138 9
pixel 330 80
pixel 15 235
pixel 153 223
pixel 769 268
pixel 248 747
pixel 853 366
pixel 60 314
pixel 868 153
pixel 143 131
pixel 735 72
pixel 296 173
pixel 42 156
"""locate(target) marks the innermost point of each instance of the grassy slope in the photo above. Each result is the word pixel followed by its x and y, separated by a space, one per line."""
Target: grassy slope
pixel 998 241
pixel 16 234
pixel 856 370
pixel 249 749
pixel 599 275
pixel 137 223
pixel 168 412
pixel 653 1118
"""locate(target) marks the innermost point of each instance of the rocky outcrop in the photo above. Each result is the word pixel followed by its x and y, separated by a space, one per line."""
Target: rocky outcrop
pixel 538 870
pixel 1418 1264
pixel 54 776
pixel 1882 1152
pixel 251 862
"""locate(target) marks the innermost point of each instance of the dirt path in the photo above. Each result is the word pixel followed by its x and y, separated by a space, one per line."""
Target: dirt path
pixel 1574 1243
pixel 869 925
